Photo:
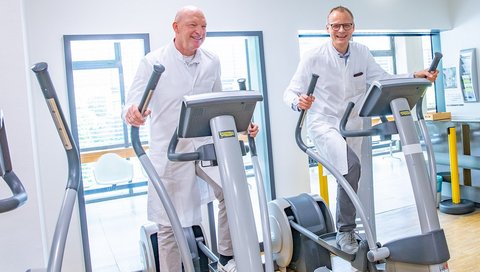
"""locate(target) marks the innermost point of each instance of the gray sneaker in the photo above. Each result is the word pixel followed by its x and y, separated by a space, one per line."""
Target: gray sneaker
pixel 347 241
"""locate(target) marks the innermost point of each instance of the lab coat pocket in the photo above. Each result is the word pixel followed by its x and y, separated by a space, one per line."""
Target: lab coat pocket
pixel 360 83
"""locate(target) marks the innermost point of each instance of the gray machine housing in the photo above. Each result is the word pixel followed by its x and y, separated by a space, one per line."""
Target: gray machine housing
pixel 220 115
pixel 429 247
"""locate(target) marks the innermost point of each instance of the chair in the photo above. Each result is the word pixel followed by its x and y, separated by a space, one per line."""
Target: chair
pixel 111 169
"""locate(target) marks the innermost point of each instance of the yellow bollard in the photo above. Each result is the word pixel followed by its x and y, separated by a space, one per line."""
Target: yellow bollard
pixel 452 147
pixel 456 205
pixel 323 183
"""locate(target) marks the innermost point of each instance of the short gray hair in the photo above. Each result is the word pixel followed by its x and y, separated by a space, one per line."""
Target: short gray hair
pixel 341 9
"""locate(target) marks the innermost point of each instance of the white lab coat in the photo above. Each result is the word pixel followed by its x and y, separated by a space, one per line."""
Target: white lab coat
pixel 335 88
pixel 179 79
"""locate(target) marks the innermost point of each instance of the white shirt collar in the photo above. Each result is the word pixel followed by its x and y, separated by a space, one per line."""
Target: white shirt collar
pixel 195 60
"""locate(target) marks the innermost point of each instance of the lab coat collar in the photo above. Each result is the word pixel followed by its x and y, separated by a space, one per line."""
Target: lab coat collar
pixel 196 59
pixel 346 55
pixel 340 55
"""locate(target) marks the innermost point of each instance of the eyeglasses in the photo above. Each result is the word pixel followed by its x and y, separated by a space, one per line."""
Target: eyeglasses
pixel 336 27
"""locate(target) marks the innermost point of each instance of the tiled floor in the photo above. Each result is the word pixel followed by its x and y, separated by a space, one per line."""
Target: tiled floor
pixel 114 228
pixel 114 225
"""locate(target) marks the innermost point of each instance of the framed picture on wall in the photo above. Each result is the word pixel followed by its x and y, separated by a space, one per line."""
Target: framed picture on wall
pixel 468 75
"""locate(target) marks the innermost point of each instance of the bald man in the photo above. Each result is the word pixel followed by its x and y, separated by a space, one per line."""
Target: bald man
pixel 189 69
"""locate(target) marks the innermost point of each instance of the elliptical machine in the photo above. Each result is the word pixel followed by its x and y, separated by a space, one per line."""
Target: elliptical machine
pixel 305 225
pixel 220 115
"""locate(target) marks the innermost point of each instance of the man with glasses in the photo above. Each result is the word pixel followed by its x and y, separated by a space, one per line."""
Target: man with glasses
pixel 344 68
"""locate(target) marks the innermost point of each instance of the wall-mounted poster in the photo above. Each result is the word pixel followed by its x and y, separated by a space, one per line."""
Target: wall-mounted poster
pixel 453 95
pixel 468 75
pixel 450 78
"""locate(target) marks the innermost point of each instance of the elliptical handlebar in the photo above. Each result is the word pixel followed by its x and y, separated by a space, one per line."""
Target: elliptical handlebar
pixel 242 86
pixel 185 254
pixel 436 59
pixel 19 195
pixel 158 70
pixel 433 66
pixel 41 71
pixel 57 248
pixel 173 156
pixel 432 164
pixel 298 129
pixel 353 133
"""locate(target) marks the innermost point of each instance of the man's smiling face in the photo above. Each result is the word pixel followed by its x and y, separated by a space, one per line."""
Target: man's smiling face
pixel 338 21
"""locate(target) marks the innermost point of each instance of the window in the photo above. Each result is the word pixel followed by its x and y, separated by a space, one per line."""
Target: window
pixel 241 56
pixel 99 70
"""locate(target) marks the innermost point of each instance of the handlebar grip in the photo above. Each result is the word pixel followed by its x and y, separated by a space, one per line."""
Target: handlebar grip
pixel 251 141
pixel 313 82
pixel 298 129
pixel 353 133
pixel 242 84
pixel 436 59
pixel 158 69
pixel 433 66
pixel 19 196
pixel 252 146
pixel 43 76
pixel 41 71
pixel 343 121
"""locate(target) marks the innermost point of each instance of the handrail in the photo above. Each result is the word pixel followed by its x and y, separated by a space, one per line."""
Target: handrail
pixel 155 178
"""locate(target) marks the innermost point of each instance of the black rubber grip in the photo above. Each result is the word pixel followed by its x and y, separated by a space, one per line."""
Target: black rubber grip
pixel 158 69
pixel 436 59
pixel 313 82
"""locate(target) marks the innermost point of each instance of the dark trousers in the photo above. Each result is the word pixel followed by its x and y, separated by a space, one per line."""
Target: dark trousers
pixel 346 212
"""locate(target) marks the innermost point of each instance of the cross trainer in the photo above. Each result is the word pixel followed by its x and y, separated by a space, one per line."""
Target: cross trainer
pixel 220 115
pixel 305 226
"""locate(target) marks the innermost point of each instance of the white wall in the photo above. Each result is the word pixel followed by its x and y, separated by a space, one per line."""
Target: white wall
pixel 47 20
pixel 21 230
pixel 464 35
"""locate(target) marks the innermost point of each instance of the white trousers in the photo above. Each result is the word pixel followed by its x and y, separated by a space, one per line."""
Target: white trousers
pixel 169 255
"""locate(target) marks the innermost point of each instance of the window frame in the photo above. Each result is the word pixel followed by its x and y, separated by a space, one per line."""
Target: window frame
pixel 81 65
